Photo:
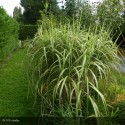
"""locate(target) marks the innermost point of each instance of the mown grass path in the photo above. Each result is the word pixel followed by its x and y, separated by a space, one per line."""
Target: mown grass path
pixel 14 88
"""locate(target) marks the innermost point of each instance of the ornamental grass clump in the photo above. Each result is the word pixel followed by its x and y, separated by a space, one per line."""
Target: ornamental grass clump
pixel 64 67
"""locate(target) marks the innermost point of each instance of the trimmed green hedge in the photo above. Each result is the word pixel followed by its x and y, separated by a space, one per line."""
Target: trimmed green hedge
pixel 27 31
pixel 8 33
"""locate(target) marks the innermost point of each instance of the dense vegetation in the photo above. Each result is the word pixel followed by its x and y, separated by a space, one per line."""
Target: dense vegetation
pixel 66 64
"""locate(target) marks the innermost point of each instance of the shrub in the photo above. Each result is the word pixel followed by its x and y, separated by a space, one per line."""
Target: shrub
pixel 65 65
pixel 27 31
pixel 8 33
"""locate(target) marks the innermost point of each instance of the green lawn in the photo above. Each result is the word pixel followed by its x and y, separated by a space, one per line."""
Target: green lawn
pixel 14 99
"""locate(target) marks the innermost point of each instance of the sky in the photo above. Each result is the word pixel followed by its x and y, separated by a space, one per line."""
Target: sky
pixel 9 5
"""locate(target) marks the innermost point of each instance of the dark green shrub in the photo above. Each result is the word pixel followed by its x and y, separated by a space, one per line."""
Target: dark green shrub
pixel 8 33
pixel 121 108
pixel 27 31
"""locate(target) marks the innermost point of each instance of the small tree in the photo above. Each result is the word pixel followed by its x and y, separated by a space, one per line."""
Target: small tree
pixel 17 14
pixel 70 8
pixel 110 13
pixel 32 9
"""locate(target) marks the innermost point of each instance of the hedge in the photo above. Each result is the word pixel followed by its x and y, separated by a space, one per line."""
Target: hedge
pixel 27 31
pixel 8 33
